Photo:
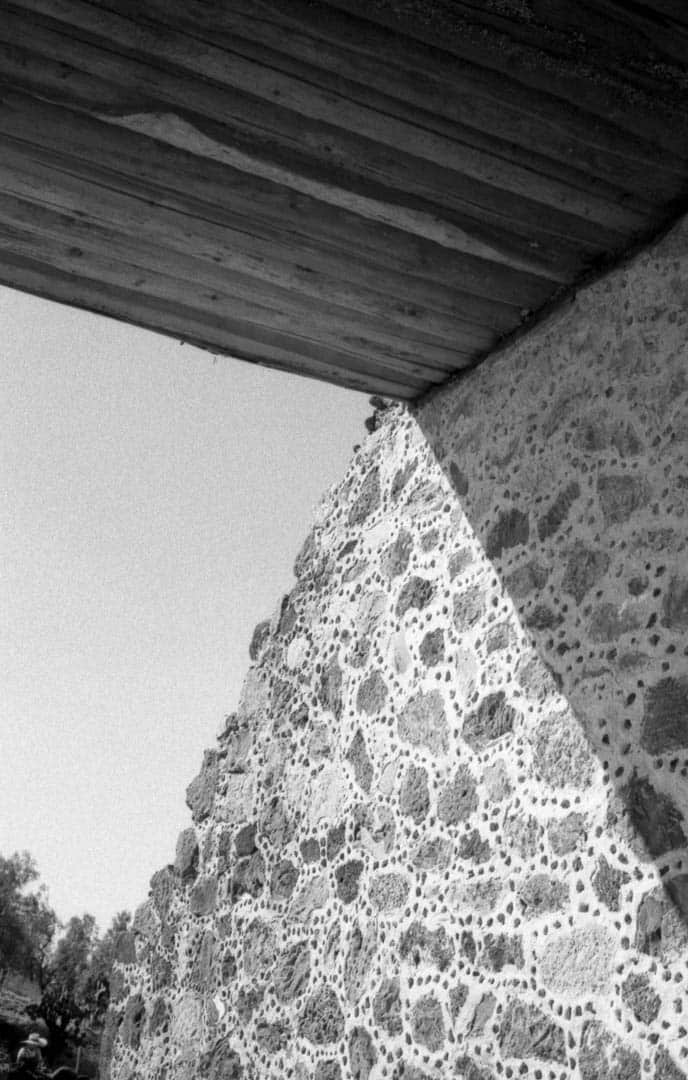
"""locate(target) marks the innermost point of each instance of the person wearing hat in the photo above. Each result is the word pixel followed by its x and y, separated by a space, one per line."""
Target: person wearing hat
pixel 30 1056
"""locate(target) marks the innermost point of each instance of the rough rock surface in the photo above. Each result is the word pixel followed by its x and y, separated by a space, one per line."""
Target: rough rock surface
pixel 444 833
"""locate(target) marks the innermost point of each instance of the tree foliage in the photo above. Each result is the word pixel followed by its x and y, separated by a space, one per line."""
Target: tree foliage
pixel 27 923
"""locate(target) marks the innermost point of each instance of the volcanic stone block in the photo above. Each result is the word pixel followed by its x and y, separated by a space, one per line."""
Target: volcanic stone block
pixel 362 1053
pixel 540 893
pixel 416 593
pixel 510 530
pixel 500 950
pixel 368 499
pixel 419 945
pixel 396 557
pixel 200 794
pixel 245 840
pixel 357 756
pixel 186 855
pixel 248 877
pixel 322 1021
pixel 458 799
pixel 641 999
pixel 359 957
pixel 675 604
pixel 427 1025
pixel 292 972
pixel 423 722
pixel 603 1057
pixel 493 718
pixel 656 818
pixel 372 694
pixel 607 882
pixel 414 794
pixel 327 1070
pixel 666 1068
pixel 665 719
pixel 272 1036
pixel 203 896
pixel 431 649
pixel 565 835
pixel 527 1032
pixel 347 877
pixel 387 1006
pixel 585 566
pixel 133 1022
pixel 388 891
pixel 283 879
pixel 620 495
pixel 558 511
pixel 562 754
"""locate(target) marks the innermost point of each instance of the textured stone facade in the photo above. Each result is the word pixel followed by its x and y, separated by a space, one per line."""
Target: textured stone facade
pixel 445 832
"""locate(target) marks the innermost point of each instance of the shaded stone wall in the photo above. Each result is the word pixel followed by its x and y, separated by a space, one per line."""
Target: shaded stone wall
pixel 445 832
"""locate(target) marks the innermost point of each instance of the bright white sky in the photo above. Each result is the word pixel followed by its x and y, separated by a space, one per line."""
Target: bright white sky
pixel 152 501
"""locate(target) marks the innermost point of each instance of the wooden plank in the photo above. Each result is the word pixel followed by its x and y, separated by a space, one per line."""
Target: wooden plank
pixel 216 260
pixel 44 177
pixel 337 166
pixel 179 322
pixel 62 243
pixel 264 75
pixel 447 27
pixel 173 177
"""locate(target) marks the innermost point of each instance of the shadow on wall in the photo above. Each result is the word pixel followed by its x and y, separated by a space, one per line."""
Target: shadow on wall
pixel 569 456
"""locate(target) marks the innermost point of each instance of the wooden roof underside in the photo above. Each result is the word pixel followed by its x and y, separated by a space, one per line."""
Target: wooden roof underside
pixel 365 191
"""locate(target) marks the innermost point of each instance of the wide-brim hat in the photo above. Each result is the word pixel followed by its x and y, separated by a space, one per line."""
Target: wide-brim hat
pixel 34 1039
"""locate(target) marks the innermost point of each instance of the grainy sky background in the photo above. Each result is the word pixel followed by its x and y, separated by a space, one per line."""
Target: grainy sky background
pixel 152 502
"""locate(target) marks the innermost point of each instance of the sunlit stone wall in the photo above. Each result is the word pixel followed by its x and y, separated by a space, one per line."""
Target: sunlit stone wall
pixel 445 832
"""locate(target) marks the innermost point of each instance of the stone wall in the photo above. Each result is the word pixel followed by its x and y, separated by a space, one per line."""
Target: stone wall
pixel 445 832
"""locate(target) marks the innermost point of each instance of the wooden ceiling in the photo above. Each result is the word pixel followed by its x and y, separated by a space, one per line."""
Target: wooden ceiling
pixel 371 192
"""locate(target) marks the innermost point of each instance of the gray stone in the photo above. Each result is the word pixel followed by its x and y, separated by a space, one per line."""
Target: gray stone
pixel 496 782
pixel 362 1053
pixel 567 833
pixel 492 718
pixel 675 604
pixel 666 1068
pixel 200 794
pixel 466 1068
pixel 658 821
pixel 414 795
pixel 510 530
pixel 245 840
pixel 458 799
pixel 327 1070
pixel 427 1025
pixel 540 893
pixel 396 557
pixel 458 479
pixel 283 879
pixel 561 752
pixel 579 963
pixel 458 562
pixel 387 1006
pixel 330 688
pixel 585 566
pixel 603 1057
pixel 203 896
pixel 223 1062
pixel 423 722
pixel 482 1014
pixel 125 947
pixel 662 920
pixel 416 593
pixel 621 495
pixel 358 962
pixel 665 719
pixel 458 996
pixel 608 622
pixel 292 972
pixel 357 756
pixel 527 1032
pixel 431 649
pixel 502 950
pixel 473 847
pixel 557 513
pixel 259 639
pixel 275 824
pixel 368 499
pixel 641 999
pixel 607 882
pixel 247 1003
pixel 248 877
pixel 468 606
pixel 259 947
pixel 310 849
pixel 418 945
pixel 525 580
pixel 322 1020
pixel 372 694
pixel 433 853
pixel 388 891
pixel 272 1036
pixel 186 855
pixel 159 1017
pixel 336 839
pixel 202 968
pixel 347 877
pixel 543 618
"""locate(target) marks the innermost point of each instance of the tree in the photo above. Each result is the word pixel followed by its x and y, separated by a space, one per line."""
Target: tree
pixel 27 923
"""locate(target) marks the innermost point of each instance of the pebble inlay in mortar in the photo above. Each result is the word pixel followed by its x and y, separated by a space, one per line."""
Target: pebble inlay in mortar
pixel 445 832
